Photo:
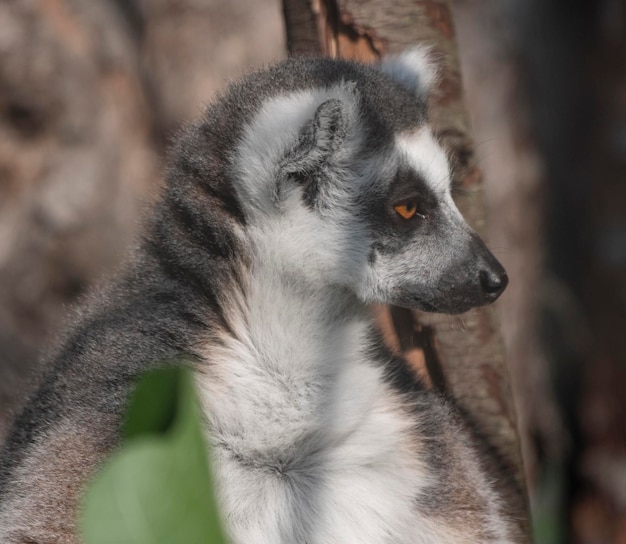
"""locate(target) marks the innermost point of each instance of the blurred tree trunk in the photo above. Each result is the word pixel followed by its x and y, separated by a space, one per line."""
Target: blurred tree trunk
pixel 514 180
pixel 191 48
pixel 75 165
pixel 461 355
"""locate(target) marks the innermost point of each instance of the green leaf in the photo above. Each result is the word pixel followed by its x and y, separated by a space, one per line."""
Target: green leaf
pixel 154 404
pixel 157 488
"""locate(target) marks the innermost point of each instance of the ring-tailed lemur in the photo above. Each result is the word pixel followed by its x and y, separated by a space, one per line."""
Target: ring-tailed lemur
pixel 304 194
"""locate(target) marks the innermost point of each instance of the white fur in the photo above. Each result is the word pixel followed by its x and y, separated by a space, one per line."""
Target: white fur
pixel 414 68
pixel 283 237
pixel 427 157
pixel 295 374
pixel 430 160
pixel 281 389
pixel 271 133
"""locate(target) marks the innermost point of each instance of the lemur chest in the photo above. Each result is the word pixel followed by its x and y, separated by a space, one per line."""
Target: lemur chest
pixel 313 453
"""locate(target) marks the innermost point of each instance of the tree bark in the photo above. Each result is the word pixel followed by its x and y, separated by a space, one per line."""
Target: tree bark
pixel 461 355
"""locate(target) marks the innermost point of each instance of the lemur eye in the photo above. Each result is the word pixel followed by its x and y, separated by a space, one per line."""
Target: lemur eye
pixel 406 210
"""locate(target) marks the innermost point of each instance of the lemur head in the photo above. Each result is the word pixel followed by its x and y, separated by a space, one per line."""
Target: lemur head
pixel 343 183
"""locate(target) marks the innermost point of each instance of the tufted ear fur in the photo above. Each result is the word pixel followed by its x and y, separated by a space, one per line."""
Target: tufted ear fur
pixel 318 143
pixel 414 68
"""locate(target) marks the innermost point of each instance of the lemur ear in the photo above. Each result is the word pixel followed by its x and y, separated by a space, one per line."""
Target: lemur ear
pixel 414 68
pixel 318 142
pixel 322 135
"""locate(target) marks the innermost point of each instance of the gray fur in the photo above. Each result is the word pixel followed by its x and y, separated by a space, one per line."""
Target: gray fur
pixel 275 232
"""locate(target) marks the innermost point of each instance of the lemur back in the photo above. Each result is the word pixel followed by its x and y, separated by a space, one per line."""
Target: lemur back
pixel 304 194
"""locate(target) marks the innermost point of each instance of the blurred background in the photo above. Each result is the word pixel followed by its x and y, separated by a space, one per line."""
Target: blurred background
pixel 92 91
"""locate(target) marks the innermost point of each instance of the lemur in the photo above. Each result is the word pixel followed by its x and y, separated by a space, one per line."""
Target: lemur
pixel 305 193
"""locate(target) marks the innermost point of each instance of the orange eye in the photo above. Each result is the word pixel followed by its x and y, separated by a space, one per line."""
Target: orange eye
pixel 407 210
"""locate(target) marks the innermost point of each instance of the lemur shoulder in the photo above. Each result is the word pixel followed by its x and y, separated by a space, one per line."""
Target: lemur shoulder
pixel 306 193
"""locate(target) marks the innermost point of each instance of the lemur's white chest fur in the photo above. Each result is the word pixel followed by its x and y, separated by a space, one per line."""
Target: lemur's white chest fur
pixel 310 444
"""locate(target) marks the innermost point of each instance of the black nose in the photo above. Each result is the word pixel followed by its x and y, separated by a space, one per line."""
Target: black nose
pixel 493 282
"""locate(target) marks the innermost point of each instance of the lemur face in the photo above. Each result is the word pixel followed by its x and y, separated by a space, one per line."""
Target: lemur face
pixel 339 194
pixel 423 255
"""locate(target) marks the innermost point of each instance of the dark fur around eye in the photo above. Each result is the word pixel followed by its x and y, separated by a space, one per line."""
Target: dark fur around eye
pixel 409 186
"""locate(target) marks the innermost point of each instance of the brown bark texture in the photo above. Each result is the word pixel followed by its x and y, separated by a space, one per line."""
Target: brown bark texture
pixel 461 355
